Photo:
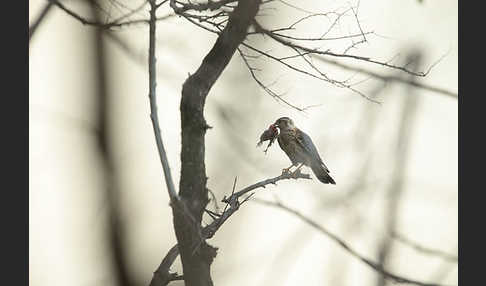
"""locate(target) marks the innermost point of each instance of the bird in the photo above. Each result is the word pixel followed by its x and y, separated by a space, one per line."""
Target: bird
pixel 301 150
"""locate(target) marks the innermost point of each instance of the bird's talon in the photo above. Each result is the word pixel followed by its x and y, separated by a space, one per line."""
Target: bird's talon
pixel 296 173
pixel 286 171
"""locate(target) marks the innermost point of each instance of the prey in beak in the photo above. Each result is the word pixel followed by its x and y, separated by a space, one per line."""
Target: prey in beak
pixel 269 134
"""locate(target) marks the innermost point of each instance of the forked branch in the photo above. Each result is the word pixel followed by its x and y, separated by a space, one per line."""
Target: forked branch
pixel 233 201
pixel 162 276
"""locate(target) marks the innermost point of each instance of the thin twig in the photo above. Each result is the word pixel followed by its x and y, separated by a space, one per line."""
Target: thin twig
pixel 321 76
pixel 210 5
pixel 114 23
pixel 153 106
pixel 41 17
pixel 132 12
pixel 423 249
pixel 388 78
pixel 233 203
pixel 284 42
pixel 266 88
pixel 375 266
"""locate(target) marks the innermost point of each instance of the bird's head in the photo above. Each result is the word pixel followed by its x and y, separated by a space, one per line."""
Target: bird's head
pixel 284 123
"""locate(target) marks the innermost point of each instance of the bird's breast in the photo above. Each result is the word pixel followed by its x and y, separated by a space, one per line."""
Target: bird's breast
pixel 286 140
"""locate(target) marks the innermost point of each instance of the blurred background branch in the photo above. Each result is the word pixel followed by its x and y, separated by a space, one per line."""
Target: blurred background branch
pixel 116 227
pixel 400 160
pixel 33 27
pixel 377 266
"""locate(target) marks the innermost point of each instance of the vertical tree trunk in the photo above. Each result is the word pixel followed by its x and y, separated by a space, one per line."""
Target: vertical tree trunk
pixel 395 191
pixel 196 261
pixel 115 230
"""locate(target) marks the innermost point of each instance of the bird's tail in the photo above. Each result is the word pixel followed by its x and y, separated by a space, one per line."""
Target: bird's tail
pixel 322 174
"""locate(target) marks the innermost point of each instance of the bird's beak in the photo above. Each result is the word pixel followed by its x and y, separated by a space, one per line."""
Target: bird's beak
pixel 275 124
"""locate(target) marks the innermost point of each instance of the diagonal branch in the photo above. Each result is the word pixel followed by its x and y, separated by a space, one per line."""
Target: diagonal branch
pixel 290 44
pixel 375 266
pixel 115 23
pixel 388 78
pixel 162 275
pixel 210 5
pixel 266 88
pixel 234 203
pixel 39 20
pixel 325 56
pixel 423 249
pixel 322 76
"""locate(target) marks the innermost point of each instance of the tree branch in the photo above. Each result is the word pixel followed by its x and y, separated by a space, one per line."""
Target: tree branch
pixel 323 56
pixel 284 42
pixel 375 266
pixel 233 200
pixel 389 78
pixel 41 17
pixel 153 106
pixel 210 5
pixel 423 249
pixel 115 23
pixel 162 275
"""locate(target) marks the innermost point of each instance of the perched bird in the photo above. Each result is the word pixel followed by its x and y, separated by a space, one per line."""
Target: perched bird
pixel 299 148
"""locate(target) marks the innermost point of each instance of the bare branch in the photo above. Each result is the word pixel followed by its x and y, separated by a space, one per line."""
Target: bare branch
pixel 266 88
pixel 215 201
pixel 395 189
pixel 114 23
pixel 355 13
pixel 284 42
pixel 233 200
pixel 295 7
pixel 115 231
pixel 160 4
pixel 162 276
pixel 375 266
pixel 389 78
pixel 189 18
pixel 179 206
pixel 321 76
pixel 153 107
pixel 41 17
pixel 132 12
pixel 210 5
pixel 423 249
pixel 322 38
pixel 264 183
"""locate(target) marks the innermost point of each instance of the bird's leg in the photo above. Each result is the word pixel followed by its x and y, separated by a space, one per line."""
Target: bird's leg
pixel 297 171
pixel 287 170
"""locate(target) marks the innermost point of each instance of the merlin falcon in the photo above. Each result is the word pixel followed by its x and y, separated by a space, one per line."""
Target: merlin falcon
pixel 301 150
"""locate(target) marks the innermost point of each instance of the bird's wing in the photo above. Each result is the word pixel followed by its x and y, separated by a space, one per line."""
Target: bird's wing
pixel 306 142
